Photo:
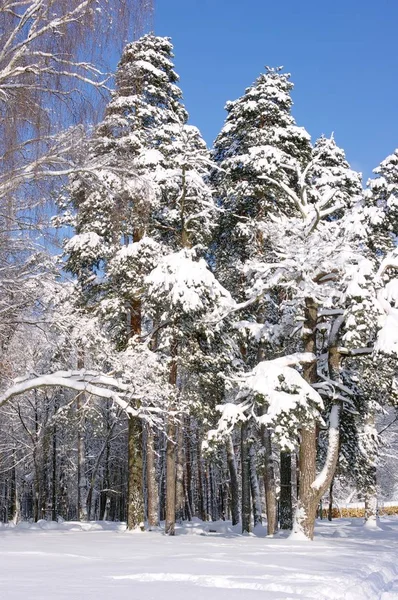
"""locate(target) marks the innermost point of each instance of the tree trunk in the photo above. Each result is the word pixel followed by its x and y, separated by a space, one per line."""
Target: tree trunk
pixel 201 496
pixel 180 499
pixel 152 486
pixel 15 503
pixel 370 492
pixel 135 492
pixel 234 484
pixel 188 473
pixel 330 509
pixel 54 507
pixel 269 483
pixel 285 502
pixel 307 503
pixel 312 487
pixel 371 504
pixel 135 501
pixel 254 486
pixel 170 478
pixel 245 460
pixel 81 450
pixel 171 453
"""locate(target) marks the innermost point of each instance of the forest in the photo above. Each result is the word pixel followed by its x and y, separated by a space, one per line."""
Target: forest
pixel 185 332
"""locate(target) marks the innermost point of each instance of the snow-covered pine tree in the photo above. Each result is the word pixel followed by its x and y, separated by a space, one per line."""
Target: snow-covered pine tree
pixel 304 269
pixel 259 137
pixel 368 368
pixel 332 176
pixel 380 206
pixel 119 207
pixel 150 200
pixel 259 129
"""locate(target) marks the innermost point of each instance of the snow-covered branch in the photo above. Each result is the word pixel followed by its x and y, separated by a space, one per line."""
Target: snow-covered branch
pixel 91 382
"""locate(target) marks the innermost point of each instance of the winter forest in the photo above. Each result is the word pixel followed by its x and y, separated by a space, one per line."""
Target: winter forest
pixel 186 333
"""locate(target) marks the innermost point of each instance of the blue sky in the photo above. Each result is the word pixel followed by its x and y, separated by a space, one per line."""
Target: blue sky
pixel 342 55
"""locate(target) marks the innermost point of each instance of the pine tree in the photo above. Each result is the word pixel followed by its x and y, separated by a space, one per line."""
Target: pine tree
pixel 259 139
pixel 306 258
pixel 120 206
pixel 380 207
pixel 141 213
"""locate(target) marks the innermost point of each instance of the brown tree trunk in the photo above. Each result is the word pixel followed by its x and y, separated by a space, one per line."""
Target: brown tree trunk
pixel 307 501
pixel 254 486
pixel 188 472
pixel 135 490
pixel 54 507
pixel 269 483
pixel 180 498
pixel 152 487
pixel 135 500
pixel 171 453
pixel 311 487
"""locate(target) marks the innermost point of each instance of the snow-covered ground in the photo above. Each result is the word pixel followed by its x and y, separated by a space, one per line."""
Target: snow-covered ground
pixel 96 561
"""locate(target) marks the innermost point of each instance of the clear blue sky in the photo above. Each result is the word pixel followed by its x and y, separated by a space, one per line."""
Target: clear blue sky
pixel 342 55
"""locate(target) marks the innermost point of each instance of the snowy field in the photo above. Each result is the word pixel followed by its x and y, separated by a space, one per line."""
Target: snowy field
pixel 97 561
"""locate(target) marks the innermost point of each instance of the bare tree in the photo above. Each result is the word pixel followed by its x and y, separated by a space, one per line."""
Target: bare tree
pixel 52 76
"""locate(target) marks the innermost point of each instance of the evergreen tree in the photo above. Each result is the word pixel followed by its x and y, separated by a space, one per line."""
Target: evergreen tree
pixel 380 208
pixel 259 139
pixel 135 216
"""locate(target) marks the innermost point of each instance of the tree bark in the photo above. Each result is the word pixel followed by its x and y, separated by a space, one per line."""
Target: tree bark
pixel 170 478
pixel 81 450
pixel 254 486
pixel 54 506
pixel 188 472
pixel 201 498
pixel 152 486
pixel 371 504
pixel 370 492
pixel 285 502
pixel 311 487
pixel 233 478
pixel 245 460
pixel 269 483
pixel 330 508
pixel 135 501
pixel 171 452
pixel 180 499
pixel 15 504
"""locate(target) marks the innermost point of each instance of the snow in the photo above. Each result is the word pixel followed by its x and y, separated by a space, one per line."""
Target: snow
pixel 101 561
pixel 333 449
pixel 187 284
pixel 282 386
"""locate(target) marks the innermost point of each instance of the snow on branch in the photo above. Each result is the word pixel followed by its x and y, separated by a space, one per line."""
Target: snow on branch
pixel 97 384
pixel 284 394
